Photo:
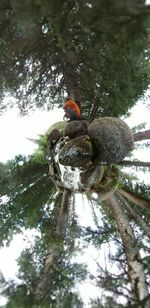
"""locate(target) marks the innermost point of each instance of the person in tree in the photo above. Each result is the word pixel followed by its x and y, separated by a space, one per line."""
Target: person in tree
pixel 72 110
pixel 76 125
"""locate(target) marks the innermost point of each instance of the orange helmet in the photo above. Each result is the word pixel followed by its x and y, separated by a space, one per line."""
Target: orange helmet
pixel 72 109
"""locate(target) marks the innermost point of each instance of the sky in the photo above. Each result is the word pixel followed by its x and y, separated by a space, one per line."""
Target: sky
pixel 14 131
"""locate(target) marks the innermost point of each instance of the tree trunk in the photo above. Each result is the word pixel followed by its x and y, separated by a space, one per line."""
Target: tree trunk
pixel 142 202
pixel 136 163
pixel 142 135
pixel 54 249
pixel 135 215
pixel 70 75
pixel 63 214
pixel 134 262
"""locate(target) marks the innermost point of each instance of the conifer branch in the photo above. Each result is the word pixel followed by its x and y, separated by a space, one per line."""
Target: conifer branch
pixel 136 199
pixel 136 163
pixel 135 215
pixel 142 136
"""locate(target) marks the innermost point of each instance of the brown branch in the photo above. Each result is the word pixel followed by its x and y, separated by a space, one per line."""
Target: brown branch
pixel 60 86
pixel 135 215
pixel 135 266
pixel 138 200
pixel 142 135
pixel 136 163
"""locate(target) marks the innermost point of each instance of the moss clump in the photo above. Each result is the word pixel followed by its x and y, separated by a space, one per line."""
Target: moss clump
pixel 53 137
pixel 54 133
pixel 58 125
pixel 111 139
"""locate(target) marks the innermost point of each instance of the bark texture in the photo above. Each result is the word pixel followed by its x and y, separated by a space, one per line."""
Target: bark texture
pixel 63 214
pixel 54 250
pixel 70 74
pixel 134 262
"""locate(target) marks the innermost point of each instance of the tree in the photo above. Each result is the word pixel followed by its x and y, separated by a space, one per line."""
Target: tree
pixel 40 288
pixel 48 49
pixel 36 183
pixel 66 47
pixel 26 175
pixel 135 268
pixel 46 275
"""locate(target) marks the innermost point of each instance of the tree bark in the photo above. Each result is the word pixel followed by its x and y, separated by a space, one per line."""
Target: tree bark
pixel 136 163
pixel 135 215
pixel 134 262
pixel 63 214
pixel 54 249
pixel 142 202
pixel 70 75
pixel 142 135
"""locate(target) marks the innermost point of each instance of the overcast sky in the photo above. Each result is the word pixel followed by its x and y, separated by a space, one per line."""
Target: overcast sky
pixel 15 129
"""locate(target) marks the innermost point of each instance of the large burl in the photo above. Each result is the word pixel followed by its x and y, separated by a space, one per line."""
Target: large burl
pixel 111 139
pixel 83 154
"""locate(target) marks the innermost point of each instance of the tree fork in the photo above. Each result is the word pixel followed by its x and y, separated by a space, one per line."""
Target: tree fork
pixel 135 266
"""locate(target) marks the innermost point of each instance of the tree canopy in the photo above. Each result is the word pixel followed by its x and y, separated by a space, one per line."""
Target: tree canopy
pixel 96 52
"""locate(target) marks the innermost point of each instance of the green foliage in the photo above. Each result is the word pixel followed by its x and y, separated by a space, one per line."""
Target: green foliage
pixel 138 128
pixel 108 302
pixel 25 189
pixel 140 188
pixel 61 277
pixel 43 41
pixel 43 152
pixel 140 146
pixel 58 125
